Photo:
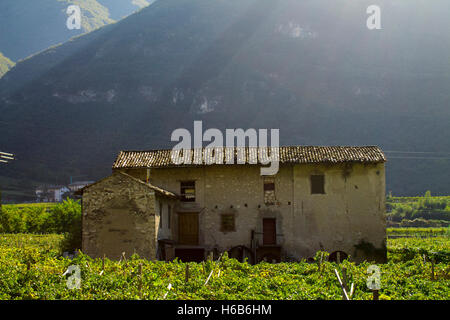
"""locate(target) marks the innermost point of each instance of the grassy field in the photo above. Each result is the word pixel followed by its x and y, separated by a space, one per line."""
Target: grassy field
pixel 31 241
pixel 46 205
pixel 32 268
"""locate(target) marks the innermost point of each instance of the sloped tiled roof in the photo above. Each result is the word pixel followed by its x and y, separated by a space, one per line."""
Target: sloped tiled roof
pixel 287 155
pixel 154 188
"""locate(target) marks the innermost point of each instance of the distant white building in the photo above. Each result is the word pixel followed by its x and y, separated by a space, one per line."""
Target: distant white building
pixel 51 193
pixel 77 185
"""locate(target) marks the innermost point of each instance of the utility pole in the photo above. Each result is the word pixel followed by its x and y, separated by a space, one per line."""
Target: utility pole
pixel 5 158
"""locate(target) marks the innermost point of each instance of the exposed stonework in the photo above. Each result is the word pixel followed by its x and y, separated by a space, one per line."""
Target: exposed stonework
pixel 120 215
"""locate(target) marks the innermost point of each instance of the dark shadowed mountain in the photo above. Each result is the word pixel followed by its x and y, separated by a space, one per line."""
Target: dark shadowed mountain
pixel 311 68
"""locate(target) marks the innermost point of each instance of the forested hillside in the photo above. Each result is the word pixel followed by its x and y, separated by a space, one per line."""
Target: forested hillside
pixel 310 68
pixel 5 64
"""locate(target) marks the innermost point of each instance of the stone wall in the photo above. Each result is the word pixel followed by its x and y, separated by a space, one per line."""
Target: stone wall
pixel 118 216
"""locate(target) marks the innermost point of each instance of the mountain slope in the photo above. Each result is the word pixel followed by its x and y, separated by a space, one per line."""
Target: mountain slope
pixel 310 68
pixel 27 27
pixel 5 64
pixel 120 8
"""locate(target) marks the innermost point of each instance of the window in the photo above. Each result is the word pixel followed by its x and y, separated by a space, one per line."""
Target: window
pixel 269 191
pixel 160 215
pixel 227 223
pixel 317 184
pixel 269 186
pixel 169 213
pixel 188 191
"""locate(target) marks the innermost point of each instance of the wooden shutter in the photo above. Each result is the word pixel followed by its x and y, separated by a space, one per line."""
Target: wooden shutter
pixel 188 228
pixel 269 231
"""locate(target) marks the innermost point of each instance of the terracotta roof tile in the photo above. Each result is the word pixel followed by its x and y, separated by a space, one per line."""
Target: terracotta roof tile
pixel 287 155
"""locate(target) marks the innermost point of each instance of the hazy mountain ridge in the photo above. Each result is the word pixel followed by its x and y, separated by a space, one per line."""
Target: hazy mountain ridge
pixel 28 27
pixel 310 68
pixel 120 8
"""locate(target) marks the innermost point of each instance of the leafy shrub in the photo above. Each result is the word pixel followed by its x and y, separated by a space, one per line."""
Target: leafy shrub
pixel 44 219
pixel 72 238
pixel 65 216
pixel 62 218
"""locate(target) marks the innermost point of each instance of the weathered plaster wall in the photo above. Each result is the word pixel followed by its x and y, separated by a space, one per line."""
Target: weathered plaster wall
pixel 119 216
pixel 350 211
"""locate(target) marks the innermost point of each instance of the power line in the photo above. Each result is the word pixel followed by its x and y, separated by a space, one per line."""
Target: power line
pixel 418 155
pixel 423 158
pixel 6 154
pixel 418 152
pixel 5 157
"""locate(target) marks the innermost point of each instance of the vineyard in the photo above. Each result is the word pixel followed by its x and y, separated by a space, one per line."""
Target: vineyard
pixel 426 211
pixel 33 268
pixel 417 232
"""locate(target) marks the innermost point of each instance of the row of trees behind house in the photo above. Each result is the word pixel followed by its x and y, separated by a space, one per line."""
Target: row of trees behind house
pixel 60 218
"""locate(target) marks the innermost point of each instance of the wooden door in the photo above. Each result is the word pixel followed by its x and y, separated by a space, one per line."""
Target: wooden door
pixel 188 228
pixel 269 231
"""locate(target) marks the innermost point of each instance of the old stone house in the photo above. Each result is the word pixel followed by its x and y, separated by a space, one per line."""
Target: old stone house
pixel 322 198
